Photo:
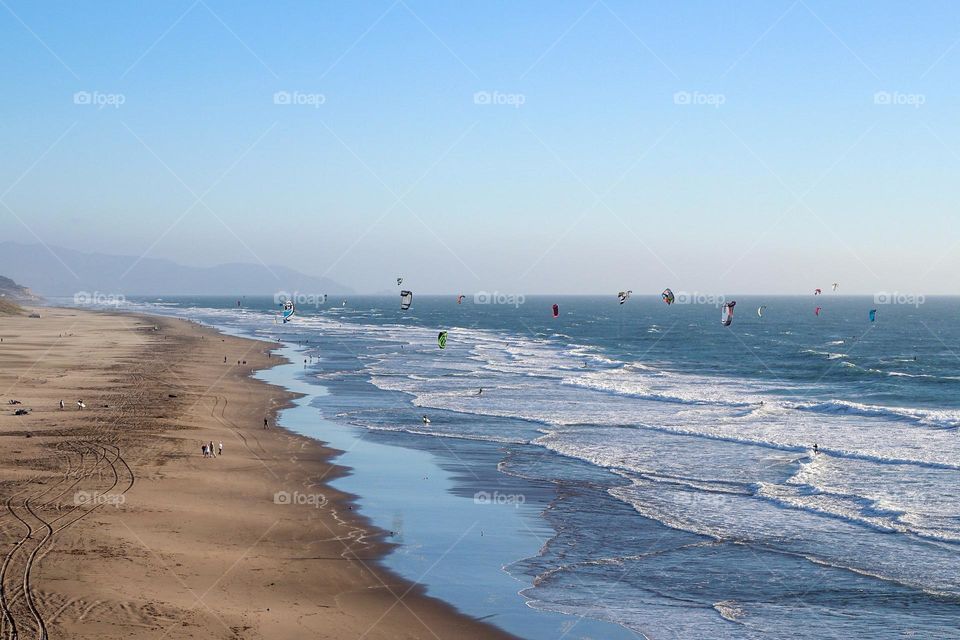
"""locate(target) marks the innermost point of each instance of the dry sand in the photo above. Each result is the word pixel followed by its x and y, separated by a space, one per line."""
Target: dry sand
pixel 113 524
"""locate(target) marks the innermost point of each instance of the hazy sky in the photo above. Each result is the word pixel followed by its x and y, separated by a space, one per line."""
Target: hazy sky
pixel 586 146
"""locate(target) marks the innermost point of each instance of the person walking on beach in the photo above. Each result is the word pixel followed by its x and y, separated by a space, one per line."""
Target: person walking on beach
pixel 61 405
pixel 203 448
pixel 220 448
pixel 212 453
pixel 264 423
pixel 80 405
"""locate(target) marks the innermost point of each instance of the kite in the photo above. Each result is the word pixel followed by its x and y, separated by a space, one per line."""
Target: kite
pixel 556 311
pixel 442 340
pixel 288 311
pixel 817 311
pixel 817 292
pixel 399 281
pixel 761 310
pixel 873 315
pixel 406 299
pixel 460 299
pixel 623 296
pixel 836 285
pixel 727 315
pixel 668 296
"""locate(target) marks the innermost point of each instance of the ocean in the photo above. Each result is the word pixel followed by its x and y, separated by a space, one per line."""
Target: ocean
pixel 655 469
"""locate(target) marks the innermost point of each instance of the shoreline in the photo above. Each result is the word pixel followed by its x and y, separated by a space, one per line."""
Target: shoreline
pixel 183 549
pixel 425 490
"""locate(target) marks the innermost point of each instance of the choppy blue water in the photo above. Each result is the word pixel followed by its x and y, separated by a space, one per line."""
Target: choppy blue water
pixel 686 500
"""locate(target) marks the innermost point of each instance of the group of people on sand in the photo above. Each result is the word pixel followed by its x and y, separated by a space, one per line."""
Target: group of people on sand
pixel 210 452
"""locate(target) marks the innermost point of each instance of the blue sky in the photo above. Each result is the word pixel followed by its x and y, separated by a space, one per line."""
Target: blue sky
pixel 528 147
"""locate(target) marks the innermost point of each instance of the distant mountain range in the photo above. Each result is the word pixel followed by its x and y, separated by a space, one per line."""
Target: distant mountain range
pixel 65 272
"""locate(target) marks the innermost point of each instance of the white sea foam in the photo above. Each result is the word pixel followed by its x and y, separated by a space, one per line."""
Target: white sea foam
pixel 700 451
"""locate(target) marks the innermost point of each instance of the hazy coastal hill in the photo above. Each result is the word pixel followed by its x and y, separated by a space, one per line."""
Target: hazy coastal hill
pixel 11 294
pixel 15 292
pixel 56 271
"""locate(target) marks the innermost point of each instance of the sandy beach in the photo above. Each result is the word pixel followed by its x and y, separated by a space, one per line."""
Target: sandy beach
pixel 114 524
